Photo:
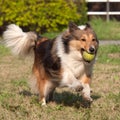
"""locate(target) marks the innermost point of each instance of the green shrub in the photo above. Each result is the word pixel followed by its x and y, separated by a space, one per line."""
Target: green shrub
pixel 39 15
pixel 82 9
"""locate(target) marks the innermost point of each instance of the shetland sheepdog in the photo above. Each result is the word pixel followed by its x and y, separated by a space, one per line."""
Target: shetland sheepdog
pixel 58 62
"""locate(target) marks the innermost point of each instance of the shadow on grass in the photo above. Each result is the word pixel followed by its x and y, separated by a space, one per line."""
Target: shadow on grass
pixel 74 100
pixel 66 98
pixel 25 93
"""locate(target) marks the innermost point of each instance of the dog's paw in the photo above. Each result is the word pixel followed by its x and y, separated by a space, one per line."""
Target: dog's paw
pixel 88 99
pixel 43 102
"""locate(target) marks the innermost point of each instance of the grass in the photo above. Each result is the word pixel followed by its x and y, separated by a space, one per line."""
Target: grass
pixel 51 34
pixel 106 30
pixel 3 51
pixel 109 54
pixel 17 102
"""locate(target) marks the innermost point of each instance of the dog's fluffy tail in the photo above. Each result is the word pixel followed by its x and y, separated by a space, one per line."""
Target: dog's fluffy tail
pixel 21 43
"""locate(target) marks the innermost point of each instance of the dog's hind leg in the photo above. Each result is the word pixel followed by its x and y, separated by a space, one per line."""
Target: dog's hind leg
pixel 44 84
pixel 50 95
pixel 46 90
pixel 37 86
pixel 42 96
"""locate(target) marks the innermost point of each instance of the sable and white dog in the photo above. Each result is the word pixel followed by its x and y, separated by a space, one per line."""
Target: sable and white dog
pixel 57 62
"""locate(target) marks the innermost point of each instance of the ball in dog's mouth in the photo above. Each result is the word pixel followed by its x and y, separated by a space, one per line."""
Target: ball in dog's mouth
pixel 88 56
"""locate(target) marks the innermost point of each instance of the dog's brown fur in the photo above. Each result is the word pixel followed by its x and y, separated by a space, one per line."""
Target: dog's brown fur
pixel 57 62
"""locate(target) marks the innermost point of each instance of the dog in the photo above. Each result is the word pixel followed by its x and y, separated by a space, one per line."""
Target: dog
pixel 58 62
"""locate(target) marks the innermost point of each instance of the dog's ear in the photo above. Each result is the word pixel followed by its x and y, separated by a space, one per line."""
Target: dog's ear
pixel 66 35
pixel 88 26
pixel 72 27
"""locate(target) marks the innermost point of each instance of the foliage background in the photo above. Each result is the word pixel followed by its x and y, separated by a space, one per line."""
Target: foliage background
pixel 42 15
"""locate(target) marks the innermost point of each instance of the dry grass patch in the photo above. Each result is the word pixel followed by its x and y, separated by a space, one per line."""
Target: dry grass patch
pixel 17 102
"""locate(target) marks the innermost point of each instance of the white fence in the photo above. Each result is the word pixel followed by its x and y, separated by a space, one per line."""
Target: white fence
pixel 107 12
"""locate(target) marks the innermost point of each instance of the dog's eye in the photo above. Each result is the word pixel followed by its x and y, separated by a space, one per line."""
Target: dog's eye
pixel 83 39
pixel 93 39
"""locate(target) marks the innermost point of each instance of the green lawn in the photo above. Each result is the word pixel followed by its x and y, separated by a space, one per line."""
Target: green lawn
pixel 104 30
pixel 18 103
pixel 109 54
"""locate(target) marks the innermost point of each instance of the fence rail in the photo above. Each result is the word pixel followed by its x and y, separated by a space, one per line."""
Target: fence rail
pixel 107 12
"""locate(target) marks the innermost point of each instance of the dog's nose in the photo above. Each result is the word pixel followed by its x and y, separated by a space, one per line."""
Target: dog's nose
pixel 92 49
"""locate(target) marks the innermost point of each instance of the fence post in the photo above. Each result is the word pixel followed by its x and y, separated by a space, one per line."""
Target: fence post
pixel 108 9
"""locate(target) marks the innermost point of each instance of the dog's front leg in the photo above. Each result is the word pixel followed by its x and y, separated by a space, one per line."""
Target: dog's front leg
pixel 86 80
pixel 70 81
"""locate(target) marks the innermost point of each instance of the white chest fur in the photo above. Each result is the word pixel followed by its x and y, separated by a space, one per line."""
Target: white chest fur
pixel 72 62
pixel 73 69
pixel 72 65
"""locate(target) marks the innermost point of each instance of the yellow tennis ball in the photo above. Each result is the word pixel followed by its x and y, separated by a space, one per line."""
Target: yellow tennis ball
pixel 88 56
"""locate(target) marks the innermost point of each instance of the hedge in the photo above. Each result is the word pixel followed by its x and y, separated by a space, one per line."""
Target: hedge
pixel 39 15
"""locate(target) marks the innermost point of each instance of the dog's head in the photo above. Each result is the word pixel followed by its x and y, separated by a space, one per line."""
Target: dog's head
pixel 80 38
